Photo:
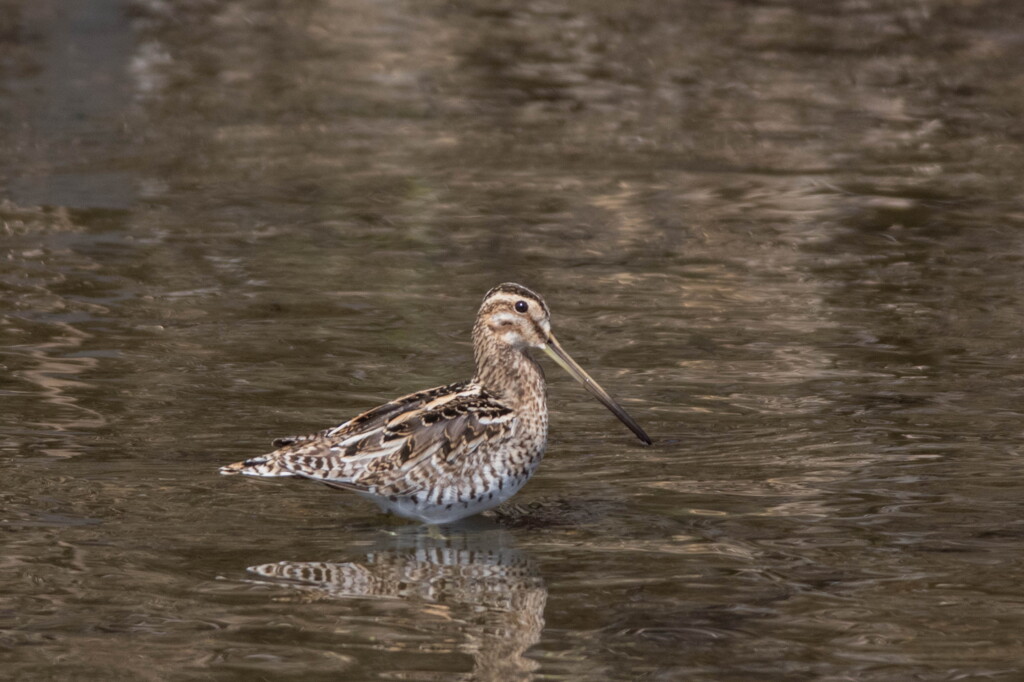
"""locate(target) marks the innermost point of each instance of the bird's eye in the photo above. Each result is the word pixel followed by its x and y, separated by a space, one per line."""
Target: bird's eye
pixel 522 306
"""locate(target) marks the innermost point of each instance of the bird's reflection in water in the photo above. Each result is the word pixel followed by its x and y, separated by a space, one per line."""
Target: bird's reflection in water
pixel 487 597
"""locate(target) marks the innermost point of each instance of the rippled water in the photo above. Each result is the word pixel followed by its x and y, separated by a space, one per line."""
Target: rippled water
pixel 788 235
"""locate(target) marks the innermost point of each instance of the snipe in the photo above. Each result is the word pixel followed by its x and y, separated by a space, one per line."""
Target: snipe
pixel 449 452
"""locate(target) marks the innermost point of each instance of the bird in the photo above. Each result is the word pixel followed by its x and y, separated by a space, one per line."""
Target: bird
pixel 446 453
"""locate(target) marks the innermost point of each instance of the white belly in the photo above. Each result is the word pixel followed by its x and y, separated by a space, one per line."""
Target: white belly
pixel 427 509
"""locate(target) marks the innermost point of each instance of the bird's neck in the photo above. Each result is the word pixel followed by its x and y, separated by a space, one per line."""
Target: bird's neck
pixel 509 374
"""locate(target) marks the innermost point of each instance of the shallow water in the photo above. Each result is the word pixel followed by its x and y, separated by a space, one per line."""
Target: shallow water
pixel 789 239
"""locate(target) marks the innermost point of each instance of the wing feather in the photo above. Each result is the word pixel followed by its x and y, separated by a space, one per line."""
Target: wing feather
pixel 391 445
pixel 365 423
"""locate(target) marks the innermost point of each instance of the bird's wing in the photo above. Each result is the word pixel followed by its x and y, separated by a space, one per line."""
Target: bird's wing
pixel 394 445
pixel 371 419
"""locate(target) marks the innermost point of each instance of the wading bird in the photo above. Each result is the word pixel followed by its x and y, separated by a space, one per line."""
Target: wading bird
pixel 446 453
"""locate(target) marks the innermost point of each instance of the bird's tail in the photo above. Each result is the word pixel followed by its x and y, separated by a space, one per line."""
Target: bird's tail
pixel 264 465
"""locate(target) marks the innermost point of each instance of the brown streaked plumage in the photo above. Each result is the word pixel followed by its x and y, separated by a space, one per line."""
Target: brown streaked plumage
pixel 453 451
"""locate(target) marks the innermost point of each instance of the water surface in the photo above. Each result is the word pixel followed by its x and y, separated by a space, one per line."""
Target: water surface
pixel 787 237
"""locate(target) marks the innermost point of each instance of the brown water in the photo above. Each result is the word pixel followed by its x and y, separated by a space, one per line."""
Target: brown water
pixel 788 235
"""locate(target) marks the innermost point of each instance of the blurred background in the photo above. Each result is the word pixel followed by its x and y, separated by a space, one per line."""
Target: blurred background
pixel 786 234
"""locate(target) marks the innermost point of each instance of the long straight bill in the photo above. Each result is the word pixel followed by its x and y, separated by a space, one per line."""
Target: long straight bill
pixel 553 349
